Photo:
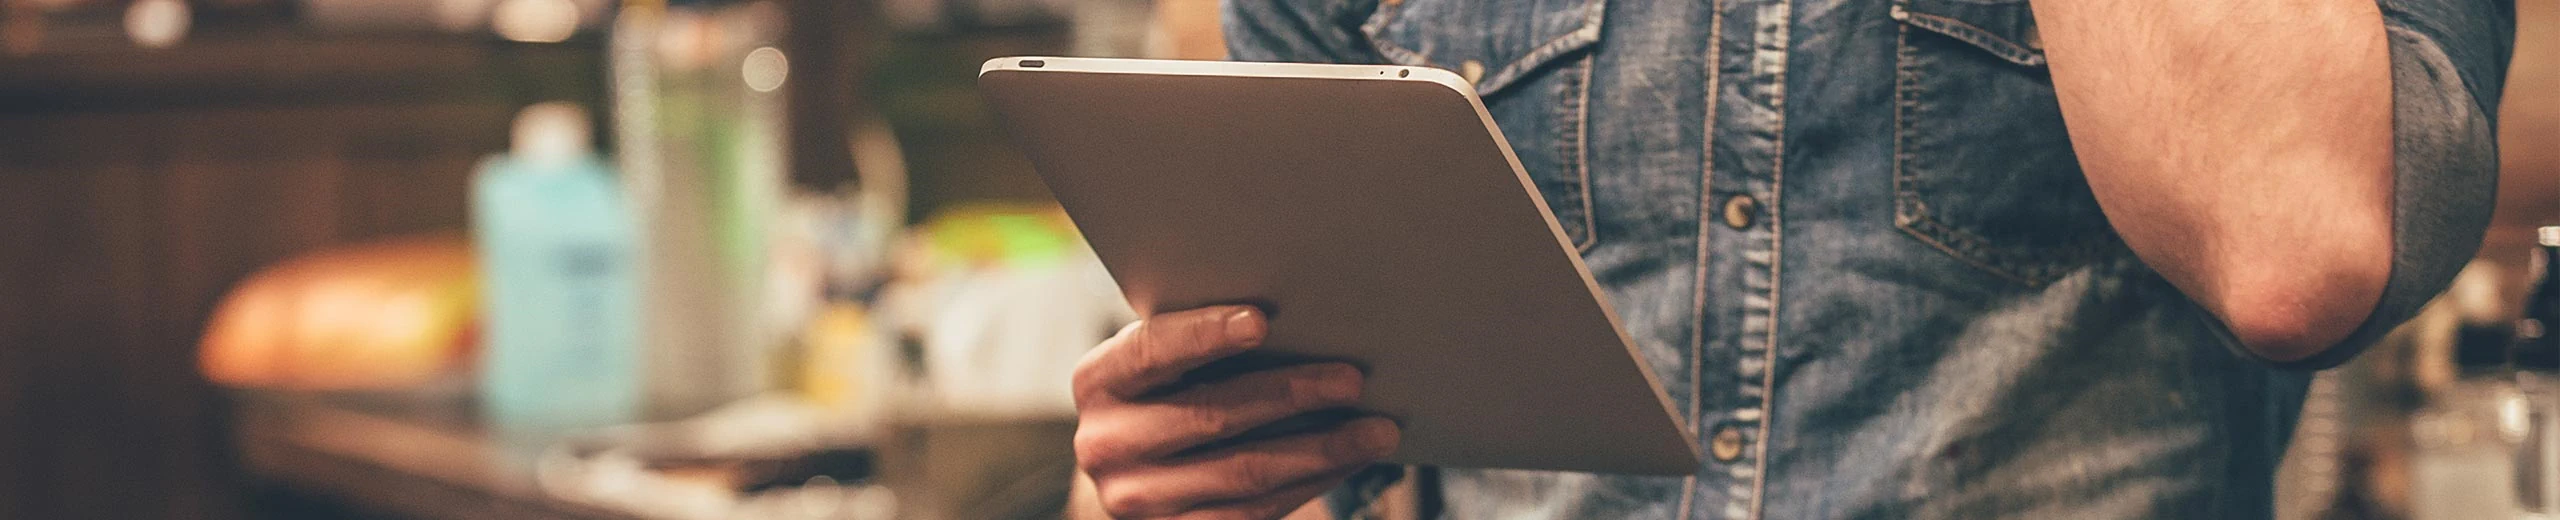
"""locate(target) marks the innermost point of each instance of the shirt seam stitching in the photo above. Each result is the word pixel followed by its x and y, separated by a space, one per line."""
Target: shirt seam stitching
pixel 1706 193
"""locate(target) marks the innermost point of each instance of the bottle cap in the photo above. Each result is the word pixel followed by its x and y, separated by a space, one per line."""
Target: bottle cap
pixel 552 133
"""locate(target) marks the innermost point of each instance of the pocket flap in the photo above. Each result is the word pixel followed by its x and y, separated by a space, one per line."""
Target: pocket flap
pixel 2004 28
pixel 1505 40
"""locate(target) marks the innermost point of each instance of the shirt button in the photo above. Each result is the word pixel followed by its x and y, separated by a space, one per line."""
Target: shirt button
pixel 1727 444
pixel 1472 70
pixel 1740 210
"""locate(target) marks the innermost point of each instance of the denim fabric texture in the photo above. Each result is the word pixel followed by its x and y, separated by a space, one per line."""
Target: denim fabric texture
pixel 1853 234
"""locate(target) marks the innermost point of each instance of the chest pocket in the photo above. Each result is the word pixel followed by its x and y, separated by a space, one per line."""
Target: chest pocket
pixel 1983 168
pixel 1531 64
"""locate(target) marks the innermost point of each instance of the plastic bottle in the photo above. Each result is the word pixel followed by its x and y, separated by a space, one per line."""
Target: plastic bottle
pixel 558 249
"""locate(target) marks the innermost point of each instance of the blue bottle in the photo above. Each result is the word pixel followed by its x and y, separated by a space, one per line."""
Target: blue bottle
pixel 559 288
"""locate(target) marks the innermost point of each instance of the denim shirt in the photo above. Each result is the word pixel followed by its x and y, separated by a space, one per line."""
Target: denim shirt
pixel 1852 240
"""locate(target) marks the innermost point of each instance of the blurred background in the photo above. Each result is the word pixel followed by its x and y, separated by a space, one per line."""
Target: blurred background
pixel 748 259
pixel 383 258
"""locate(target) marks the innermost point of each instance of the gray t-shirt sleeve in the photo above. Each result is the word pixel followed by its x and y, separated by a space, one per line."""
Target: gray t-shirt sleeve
pixel 2448 65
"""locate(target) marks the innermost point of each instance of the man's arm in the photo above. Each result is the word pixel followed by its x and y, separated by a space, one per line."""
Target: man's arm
pixel 2243 149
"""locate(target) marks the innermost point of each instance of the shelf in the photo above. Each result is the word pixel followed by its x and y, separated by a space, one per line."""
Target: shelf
pixel 298 70
pixel 404 467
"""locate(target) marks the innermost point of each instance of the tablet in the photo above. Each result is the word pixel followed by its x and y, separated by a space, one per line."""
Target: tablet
pixel 1379 217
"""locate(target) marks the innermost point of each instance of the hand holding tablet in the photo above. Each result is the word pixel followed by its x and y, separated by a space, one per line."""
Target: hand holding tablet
pixel 1157 447
pixel 1397 262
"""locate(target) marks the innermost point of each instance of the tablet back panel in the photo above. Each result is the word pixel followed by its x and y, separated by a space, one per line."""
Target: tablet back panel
pixel 1379 216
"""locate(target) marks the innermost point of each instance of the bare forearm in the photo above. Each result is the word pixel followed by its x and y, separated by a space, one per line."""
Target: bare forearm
pixel 2242 148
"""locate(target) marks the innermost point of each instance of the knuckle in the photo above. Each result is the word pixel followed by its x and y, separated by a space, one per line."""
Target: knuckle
pixel 1211 420
pixel 1093 372
pixel 1159 329
pixel 1123 502
pixel 1090 367
pixel 1098 449
pixel 1140 349
pixel 1084 387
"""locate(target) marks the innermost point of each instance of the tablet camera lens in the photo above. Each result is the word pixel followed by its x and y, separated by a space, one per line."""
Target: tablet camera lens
pixel 1403 73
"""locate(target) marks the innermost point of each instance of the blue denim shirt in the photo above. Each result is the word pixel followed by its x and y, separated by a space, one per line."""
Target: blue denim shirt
pixel 1854 243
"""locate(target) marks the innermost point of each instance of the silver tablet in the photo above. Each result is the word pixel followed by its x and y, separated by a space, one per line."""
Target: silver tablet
pixel 1379 217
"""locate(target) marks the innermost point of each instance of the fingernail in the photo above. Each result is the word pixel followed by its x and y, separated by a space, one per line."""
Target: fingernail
pixel 1377 435
pixel 1245 326
pixel 1342 382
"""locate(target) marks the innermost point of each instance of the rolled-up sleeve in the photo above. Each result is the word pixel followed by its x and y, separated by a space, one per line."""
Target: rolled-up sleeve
pixel 2448 65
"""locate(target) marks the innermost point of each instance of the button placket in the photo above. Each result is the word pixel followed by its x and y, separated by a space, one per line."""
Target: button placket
pixel 1747 116
pixel 1761 280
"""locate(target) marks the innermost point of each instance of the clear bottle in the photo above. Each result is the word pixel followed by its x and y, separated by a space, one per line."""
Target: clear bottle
pixel 560 285
pixel 697 97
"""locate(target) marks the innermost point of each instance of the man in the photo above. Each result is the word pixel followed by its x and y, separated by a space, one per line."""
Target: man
pixel 1900 258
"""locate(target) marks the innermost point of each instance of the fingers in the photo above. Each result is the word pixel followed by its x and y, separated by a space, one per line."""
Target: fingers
pixel 1251 476
pixel 1134 444
pixel 1275 505
pixel 1158 350
pixel 1114 436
